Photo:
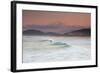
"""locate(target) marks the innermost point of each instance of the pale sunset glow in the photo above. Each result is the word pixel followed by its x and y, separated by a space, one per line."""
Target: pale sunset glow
pixel 51 21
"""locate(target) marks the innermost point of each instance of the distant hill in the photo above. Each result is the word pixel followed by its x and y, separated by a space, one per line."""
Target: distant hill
pixel 33 32
pixel 81 32
pixel 38 32
pixel 52 33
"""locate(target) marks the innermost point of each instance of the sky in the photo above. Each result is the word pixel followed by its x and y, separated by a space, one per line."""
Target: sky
pixel 51 21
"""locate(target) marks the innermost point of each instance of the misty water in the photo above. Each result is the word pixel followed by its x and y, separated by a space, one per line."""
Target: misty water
pixel 56 48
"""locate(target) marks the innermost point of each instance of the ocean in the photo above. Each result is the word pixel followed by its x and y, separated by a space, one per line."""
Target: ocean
pixel 56 48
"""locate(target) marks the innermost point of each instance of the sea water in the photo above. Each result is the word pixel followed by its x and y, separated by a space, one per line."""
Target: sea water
pixel 56 48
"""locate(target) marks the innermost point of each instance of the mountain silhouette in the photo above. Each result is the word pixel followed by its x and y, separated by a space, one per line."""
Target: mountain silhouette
pixel 33 32
pixel 81 32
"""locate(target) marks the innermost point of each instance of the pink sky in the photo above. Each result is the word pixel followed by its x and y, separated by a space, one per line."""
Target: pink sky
pixel 68 20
